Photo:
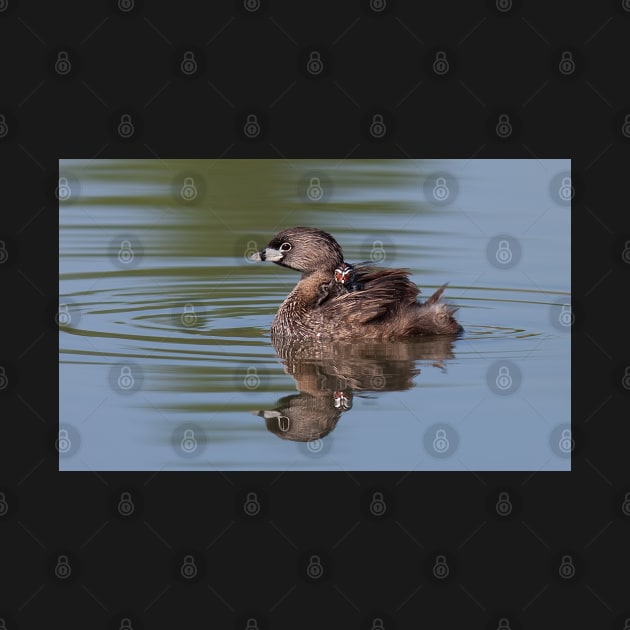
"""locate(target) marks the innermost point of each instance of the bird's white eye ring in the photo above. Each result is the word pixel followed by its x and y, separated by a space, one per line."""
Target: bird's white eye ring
pixel 285 247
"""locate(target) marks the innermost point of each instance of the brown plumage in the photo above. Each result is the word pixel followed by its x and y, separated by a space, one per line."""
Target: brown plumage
pixel 378 303
pixel 343 281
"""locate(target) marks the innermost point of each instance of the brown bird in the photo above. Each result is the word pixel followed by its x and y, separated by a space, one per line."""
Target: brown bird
pixel 366 302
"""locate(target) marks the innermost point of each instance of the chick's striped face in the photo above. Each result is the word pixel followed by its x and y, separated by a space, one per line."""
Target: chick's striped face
pixel 344 274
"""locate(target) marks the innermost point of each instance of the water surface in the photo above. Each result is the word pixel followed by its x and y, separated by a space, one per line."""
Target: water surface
pixel 166 362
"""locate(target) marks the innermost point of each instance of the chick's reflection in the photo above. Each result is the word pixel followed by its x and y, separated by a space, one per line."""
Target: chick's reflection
pixel 329 374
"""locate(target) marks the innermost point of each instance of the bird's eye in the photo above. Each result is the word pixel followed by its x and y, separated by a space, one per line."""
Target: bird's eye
pixel 285 247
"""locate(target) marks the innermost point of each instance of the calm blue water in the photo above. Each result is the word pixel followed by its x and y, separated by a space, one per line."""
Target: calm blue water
pixel 165 354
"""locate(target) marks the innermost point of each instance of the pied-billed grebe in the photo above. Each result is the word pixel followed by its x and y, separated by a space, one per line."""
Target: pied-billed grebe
pixel 343 281
pixel 377 303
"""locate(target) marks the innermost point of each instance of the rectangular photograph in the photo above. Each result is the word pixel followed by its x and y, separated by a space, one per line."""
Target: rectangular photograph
pixel 333 315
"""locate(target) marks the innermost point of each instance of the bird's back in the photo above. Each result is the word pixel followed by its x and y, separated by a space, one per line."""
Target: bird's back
pixel 384 307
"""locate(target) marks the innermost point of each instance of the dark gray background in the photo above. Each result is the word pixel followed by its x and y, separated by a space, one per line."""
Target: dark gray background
pixel 376 59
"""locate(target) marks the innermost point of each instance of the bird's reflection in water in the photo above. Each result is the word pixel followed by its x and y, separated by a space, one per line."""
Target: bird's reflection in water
pixel 328 374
